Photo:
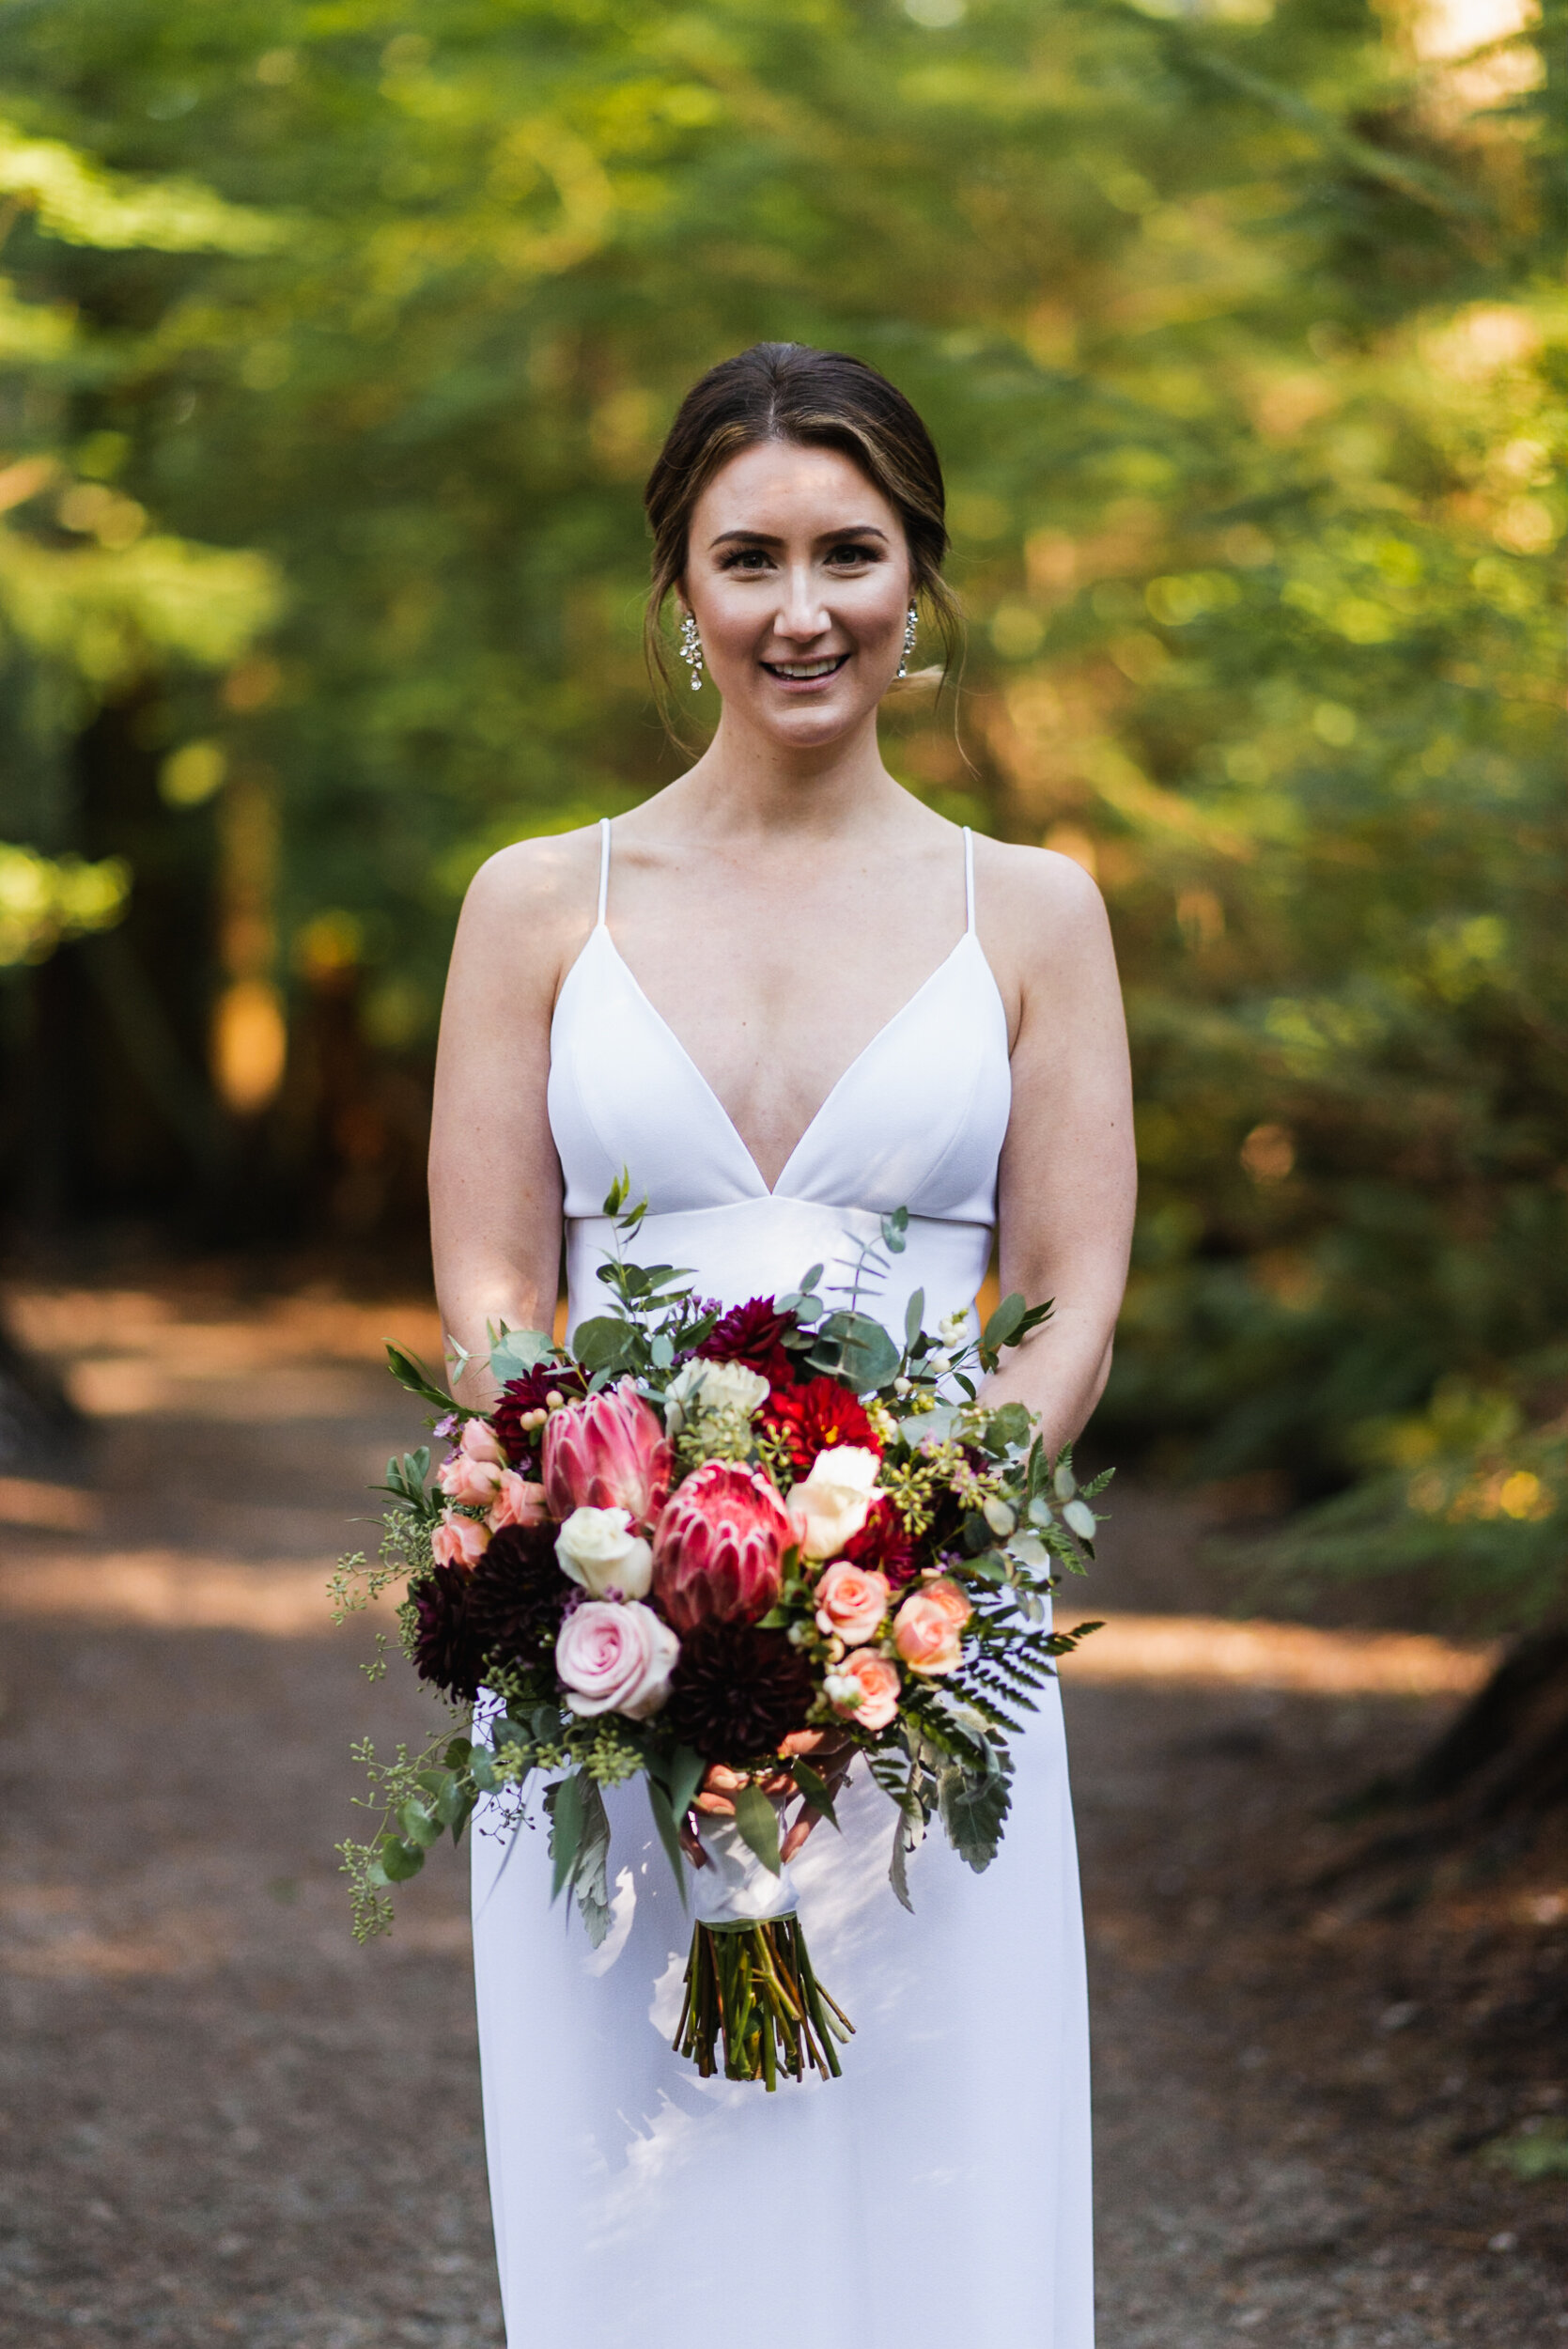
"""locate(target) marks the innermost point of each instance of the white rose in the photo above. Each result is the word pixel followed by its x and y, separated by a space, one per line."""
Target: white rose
pixel 615 1659
pixel 699 1386
pixel 829 1507
pixel 599 1550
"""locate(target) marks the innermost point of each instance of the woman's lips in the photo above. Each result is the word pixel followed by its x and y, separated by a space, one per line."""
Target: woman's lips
pixel 821 674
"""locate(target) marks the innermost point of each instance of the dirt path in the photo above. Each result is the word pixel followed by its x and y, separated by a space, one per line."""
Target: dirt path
pixel 222 2120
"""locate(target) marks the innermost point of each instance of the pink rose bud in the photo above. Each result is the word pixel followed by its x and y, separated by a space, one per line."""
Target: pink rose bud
pixel 851 1602
pixel 478 1439
pixel 878 1682
pixel 616 1658
pixel 518 1502
pixel 927 1628
pixel 473 1481
pixel 717 1554
pixel 460 1541
pixel 608 1452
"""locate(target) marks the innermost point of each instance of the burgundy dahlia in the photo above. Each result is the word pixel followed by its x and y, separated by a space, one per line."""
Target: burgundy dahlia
pixel 527 1393
pixel 883 1545
pixel 737 1691
pixel 445 1650
pixel 753 1333
pixel 517 1596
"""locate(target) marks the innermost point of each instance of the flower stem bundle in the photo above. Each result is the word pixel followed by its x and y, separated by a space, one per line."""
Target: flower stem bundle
pixel 751 1988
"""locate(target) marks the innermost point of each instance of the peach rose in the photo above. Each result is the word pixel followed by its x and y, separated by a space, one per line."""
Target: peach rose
pixel 473 1470
pixel 927 1628
pixel 518 1502
pixel 864 1689
pixel 460 1541
pixel 851 1601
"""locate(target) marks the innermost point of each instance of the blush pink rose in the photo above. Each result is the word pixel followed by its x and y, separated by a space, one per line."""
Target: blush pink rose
pixel 461 1477
pixel 927 1628
pixel 616 1658
pixel 878 1684
pixel 851 1602
pixel 460 1541
pixel 518 1502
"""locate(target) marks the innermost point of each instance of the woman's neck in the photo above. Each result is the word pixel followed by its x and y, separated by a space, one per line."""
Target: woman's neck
pixel 747 783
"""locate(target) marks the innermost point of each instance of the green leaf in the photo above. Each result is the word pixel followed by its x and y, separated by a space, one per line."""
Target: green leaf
pixel 410 1372
pixel 1065 1480
pixel 669 1834
pixel 973 1805
pixel 591 1873
pixel 519 1351
pixel 858 1349
pixel 566 1803
pixel 687 1772
pixel 914 1316
pixel 1007 1425
pixel 482 1770
pixel 815 1790
pixel 757 1824
pixel 398 1860
pixel 417 1823
pixel 606 1344
pixel 1005 1323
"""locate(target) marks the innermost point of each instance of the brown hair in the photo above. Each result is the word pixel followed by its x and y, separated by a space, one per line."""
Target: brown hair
pixel 816 399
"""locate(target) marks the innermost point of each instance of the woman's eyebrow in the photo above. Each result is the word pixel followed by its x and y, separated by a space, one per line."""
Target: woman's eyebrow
pixel 768 539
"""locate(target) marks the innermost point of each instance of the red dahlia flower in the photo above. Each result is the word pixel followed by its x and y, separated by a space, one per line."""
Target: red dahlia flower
pixel 753 1333
pixel 718 1555
pixel 814 1418
pixel 882 1546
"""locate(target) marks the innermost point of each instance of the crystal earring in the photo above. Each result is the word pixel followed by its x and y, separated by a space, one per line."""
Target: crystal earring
pixel 910 624
pixel 691 651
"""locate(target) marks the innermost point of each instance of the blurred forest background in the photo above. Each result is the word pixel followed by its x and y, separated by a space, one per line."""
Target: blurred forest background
pixel 335 339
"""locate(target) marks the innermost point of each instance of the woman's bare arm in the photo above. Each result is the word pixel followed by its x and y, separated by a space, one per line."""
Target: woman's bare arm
pixel 1067 1182
pixel 495 1180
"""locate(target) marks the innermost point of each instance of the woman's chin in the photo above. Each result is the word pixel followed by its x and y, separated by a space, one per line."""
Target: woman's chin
pixel 807 723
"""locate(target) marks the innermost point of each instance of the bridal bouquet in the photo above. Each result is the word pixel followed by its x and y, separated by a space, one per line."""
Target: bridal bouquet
pixel 724 1551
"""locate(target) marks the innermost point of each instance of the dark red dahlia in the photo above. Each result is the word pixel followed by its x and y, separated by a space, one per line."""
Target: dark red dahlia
pixel 737 1691
pixel 753 1333
pixel 527 1393
pixel 815 1417
pixel 517 1596
pixel 445 1651
pixel 883 1545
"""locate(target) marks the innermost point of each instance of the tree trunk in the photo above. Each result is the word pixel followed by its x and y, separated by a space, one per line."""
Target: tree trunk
pixel 42 1434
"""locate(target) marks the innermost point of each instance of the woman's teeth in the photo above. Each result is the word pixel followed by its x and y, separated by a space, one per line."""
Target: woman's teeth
pixel 805 668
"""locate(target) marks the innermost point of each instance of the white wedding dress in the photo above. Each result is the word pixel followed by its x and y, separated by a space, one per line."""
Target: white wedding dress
pixel 938 2194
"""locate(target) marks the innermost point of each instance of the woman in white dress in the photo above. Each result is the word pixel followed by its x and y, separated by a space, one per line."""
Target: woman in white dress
pixel 790 998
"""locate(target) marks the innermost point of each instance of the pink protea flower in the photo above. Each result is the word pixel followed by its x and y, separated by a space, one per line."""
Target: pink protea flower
pixel 718 1553
pixel 608 1452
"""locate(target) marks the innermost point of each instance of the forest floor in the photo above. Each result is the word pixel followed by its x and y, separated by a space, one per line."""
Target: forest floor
pixel 1320 2098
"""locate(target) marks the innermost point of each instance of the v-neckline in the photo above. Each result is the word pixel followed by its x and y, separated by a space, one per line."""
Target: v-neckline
pixel 776 1190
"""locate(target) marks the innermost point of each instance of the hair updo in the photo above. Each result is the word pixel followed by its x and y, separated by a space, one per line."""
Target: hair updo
pixel 813 399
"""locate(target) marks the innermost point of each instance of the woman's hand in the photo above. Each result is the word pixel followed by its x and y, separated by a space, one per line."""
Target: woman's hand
pixel 830 1752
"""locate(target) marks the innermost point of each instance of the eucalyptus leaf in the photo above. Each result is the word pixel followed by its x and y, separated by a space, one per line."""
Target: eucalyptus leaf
pixel 564 1802
pixel 757 1824
pixel 814 1789
pixel 398 1860
pixel 914 1316
pixel 1081 1519
pixel 606 1345
pixel 418 1823
pixel 517 1351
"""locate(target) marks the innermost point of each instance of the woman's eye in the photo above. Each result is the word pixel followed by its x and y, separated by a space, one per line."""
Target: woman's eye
pixel 853 551
pixel 746 559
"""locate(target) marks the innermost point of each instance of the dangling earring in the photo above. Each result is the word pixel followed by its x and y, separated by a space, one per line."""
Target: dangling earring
pixel 691 651
pixel 910 624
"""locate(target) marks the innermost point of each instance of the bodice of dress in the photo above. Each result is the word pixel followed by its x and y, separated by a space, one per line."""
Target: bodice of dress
pixel 917 1120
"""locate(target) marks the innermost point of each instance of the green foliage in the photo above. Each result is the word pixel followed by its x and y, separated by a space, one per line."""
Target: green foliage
pixel 1242 333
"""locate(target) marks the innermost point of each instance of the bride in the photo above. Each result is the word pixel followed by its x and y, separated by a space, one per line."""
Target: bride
pixel 789 998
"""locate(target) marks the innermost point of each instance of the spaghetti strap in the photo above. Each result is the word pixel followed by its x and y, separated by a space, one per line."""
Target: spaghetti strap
pixel 603 866
pixel 969 882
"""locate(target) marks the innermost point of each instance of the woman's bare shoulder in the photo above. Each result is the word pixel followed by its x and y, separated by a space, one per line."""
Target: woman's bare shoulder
pixel 536 901
pixel 1035 902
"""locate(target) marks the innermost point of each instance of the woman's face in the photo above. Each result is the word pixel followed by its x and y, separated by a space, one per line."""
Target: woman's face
pixel 797 575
